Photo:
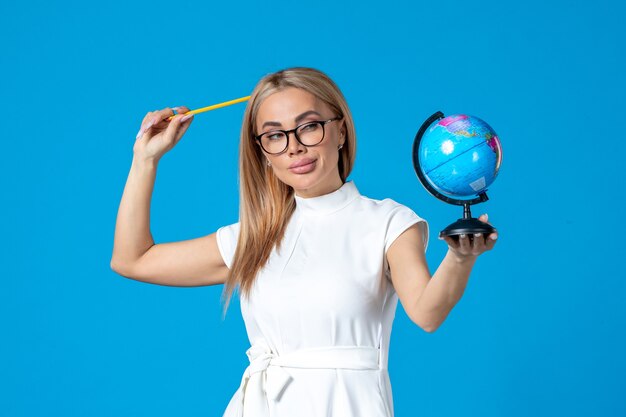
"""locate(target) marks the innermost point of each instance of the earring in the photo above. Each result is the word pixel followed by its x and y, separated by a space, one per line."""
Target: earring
pixel 340 146
pixel 269 164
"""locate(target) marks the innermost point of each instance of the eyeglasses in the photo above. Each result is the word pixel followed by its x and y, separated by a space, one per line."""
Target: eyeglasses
pixel 308 134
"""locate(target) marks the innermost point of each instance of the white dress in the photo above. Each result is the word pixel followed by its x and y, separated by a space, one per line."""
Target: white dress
pixel 320 314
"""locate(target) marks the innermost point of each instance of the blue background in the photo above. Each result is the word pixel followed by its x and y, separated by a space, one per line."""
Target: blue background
pixel 541 328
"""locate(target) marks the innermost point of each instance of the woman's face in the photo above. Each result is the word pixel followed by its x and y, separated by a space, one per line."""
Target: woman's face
pixel 287 109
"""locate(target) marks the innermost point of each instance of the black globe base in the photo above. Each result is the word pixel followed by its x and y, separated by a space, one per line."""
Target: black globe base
pixel 469 226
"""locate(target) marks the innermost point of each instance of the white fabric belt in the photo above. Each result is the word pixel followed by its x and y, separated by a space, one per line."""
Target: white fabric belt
pixel 265 379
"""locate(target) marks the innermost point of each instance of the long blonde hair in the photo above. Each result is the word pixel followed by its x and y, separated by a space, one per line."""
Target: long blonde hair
pixel 266 203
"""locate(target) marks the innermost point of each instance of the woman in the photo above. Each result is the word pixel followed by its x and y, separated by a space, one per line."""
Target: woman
pixel 319 266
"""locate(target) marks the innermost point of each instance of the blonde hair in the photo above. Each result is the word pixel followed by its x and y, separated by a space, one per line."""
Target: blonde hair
pixel 266 203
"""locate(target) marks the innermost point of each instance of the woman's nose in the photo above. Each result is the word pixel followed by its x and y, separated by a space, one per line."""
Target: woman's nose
pixel 293 145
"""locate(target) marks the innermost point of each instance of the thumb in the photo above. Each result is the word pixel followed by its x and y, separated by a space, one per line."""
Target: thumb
pixel 177 128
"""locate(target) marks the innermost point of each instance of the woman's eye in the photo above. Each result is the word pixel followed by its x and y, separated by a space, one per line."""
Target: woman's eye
pixel 275 136
pixel 309 127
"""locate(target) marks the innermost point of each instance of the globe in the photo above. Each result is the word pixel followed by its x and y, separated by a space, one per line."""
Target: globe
pixel 456 158
pixel 460 155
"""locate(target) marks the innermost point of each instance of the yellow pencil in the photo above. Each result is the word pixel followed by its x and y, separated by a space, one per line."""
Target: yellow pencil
pixel 214 106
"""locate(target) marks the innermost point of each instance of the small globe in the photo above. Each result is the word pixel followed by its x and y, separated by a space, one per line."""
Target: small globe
pixel 460 155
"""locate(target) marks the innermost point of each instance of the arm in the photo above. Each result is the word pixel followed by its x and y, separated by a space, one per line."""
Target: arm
pixel 135 255
pixel 428 300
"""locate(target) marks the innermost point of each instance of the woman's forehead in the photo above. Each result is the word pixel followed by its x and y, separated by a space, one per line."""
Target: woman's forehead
pixel 286 106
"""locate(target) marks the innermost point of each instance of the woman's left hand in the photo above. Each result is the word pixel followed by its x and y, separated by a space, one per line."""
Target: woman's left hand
pixel 465 248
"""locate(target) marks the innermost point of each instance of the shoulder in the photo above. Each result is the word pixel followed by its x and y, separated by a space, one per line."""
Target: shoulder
pixel 386 207
pixel 393 216
pixel 228 232
pixel 227 237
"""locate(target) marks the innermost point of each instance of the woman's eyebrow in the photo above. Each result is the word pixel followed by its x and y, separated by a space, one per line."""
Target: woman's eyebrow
pixel 305 114
pixel 297 119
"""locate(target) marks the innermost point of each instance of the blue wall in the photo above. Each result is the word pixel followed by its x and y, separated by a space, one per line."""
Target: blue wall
pixel 540 329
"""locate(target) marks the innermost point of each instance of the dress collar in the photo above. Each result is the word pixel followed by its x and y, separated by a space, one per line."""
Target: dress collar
pixel 328 203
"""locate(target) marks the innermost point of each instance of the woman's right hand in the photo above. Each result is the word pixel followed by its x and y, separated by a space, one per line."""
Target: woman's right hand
pixel 157 136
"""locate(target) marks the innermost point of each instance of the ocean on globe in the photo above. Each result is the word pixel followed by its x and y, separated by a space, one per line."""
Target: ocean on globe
pixel 460 155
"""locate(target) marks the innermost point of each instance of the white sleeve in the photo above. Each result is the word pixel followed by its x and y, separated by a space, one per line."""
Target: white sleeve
pixel 227 237
pixel 400 219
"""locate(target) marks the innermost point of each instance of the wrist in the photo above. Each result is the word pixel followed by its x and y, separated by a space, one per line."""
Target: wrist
pixel 144 163
pixel 461 259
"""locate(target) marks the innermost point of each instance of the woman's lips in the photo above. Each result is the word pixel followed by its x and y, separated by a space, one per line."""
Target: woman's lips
pixel 303 169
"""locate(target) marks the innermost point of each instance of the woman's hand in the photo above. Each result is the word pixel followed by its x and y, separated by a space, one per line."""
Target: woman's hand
pixel 465 248
pixel 157 136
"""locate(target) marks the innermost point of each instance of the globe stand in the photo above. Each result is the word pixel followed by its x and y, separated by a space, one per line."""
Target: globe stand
pixel 467 225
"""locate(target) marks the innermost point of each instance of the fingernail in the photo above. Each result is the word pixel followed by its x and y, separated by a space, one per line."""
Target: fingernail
pixel 463 236
pixel 493 237
pixel 478 234
pixel 139 133
pixel 187 117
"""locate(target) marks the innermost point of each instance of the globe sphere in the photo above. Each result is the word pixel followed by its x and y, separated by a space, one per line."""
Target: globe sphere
pixel 460 155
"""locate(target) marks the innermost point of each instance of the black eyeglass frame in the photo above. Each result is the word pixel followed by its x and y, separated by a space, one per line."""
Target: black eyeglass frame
pixel 287 133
